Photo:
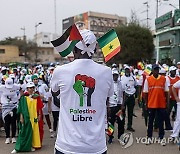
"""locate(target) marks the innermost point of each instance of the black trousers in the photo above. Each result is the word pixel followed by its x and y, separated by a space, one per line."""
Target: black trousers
pixel 129 104
pixel 113 118
pixel 55 119
pixel 160 113
pixel 10 121
pixel 172 104
pixel 58 152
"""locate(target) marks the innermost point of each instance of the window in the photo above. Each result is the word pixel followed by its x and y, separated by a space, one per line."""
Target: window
pixel 45 35
pixel 48 52
pixel 46 42
pixel 2 51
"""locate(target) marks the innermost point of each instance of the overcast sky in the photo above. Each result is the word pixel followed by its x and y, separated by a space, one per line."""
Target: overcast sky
pixel 15 14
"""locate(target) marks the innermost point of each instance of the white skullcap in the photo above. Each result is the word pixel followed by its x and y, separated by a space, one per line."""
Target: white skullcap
pixel 162 70
pixel 28 78
pixel 88 38
pixel 9 83
pixel 115 71
pixel 3 68
pixel 172 68
pixel 127 67
pixel 30 84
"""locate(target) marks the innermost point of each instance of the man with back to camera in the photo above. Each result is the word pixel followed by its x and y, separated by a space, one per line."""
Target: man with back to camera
pixel 84 88
pixel 156 99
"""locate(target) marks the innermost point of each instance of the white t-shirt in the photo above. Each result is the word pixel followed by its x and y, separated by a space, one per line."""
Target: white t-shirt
pixel 117 97
pixel 128 84
pixel 82 120
pixel 43 89
pixel 168 81
pixel 53 106
pixel 140 81
pixel 177 85
pixel 146 86
pixel 9 96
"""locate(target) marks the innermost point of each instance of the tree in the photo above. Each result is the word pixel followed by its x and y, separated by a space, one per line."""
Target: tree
pixel 23 45
pixel 136 44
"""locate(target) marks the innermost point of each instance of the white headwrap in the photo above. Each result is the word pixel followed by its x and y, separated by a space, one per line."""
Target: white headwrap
pixel 88 38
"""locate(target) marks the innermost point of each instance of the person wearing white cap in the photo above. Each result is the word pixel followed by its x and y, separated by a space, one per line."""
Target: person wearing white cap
pixel 84 87
pixel 30 121
pixel 129 84
pixel 172 102
pixel 26 80
pixel 115 104
pixel 9 99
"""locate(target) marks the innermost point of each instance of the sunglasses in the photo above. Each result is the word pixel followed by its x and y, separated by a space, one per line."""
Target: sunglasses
pixel 31 87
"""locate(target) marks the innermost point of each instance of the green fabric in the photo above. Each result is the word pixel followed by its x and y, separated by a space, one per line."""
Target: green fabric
pixel 68 50
pixel 108 37
pixel 24 140
pixel 78 87
pixel 34 77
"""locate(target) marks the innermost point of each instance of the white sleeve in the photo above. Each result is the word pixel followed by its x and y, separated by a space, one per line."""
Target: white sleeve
pixel 123 82
pixel 145 89
pixel 168 81
pixel 111 90
pixel 54 84
pixel 177 84
pixel 167 86
pixel 140 82
pixel 120 93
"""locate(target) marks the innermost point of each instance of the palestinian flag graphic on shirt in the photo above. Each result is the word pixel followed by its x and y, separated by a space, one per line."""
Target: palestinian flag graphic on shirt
pixel 110 45
pixel 82 82
pixel 65 44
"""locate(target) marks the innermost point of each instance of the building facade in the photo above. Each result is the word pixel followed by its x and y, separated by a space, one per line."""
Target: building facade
pixel 44 39
pixel 9 53
pixel 167 37
pixel 99 23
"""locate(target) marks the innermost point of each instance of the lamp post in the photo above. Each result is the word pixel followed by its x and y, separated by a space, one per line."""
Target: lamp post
pixel 24 33
pixel 173 6
pixel 36 25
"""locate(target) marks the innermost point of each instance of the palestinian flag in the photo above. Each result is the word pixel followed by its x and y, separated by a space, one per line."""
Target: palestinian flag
pixel 65 44
pixel 140 66
pixel 110 129
pixel 110 45
pixel 120 114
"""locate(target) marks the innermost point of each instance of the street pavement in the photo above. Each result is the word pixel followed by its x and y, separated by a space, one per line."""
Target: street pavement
pixel 114 148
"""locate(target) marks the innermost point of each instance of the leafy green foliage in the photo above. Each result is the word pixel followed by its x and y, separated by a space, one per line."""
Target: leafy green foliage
pixel 136 44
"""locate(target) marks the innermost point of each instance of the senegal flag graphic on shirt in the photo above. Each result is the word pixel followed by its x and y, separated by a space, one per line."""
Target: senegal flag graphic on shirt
pixel 83 82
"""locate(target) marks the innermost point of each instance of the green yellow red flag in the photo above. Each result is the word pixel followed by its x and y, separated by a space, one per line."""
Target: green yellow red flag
pixel 109 44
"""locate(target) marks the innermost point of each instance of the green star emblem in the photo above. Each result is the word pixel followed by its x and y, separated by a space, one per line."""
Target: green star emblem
pixel 35 120
pixel 110 47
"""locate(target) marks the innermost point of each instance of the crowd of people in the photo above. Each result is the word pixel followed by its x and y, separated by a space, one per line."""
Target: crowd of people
pixel 156 92
pixel 84 97
pixel 26 101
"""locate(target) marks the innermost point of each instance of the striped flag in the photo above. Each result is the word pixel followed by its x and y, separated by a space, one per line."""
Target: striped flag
pixel 120 114
pixel 110 129
pixel 110 45
pixel 147 71
pixel 65 44
pixel 140 66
